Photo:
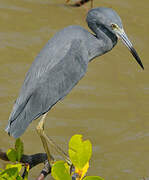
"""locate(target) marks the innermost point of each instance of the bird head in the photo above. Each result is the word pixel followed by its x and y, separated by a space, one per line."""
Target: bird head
pixel 109 22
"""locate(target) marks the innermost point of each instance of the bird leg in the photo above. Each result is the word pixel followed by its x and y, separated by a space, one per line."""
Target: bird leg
pixel 45 139
pixel 40 131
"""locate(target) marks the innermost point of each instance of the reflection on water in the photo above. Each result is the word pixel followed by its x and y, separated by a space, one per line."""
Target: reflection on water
pixel 110 104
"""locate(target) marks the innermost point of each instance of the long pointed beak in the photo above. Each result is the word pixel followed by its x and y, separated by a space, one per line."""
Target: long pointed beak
pixel 121 34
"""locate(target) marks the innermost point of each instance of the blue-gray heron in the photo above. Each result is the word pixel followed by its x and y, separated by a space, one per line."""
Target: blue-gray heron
pixel 61 64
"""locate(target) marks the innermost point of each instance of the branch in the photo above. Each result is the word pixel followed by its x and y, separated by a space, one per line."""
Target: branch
pixel 32 160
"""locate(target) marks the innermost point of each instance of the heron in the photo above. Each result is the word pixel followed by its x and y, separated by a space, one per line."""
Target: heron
pixel 60 65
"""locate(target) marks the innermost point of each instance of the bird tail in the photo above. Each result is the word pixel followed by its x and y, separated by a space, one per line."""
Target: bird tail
pixel 19 120
pixel 17 127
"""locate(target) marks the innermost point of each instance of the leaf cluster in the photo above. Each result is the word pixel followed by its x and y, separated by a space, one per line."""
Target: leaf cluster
pixel 80 153
pixel 12 171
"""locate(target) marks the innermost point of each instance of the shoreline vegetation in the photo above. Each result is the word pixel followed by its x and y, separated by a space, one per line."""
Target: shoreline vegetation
pixel 79 151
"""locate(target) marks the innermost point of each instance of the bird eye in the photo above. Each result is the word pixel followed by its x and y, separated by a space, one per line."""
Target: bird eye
pixel 114 26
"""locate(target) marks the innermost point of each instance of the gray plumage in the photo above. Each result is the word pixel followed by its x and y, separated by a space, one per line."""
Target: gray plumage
pixel 60 65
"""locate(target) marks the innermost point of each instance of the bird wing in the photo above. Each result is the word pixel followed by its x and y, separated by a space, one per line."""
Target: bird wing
pixel 50 87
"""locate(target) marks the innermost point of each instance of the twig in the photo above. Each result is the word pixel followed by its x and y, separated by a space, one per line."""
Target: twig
pixel 3 156
pixel 32 160
pixel 46 170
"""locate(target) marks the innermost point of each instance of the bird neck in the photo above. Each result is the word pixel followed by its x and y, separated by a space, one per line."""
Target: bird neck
pixel 105 39
pixel 104 33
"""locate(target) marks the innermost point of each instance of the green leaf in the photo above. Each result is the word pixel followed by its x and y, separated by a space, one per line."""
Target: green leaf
pixel 1 169
pixel 12 155
pixel 19 177
pixel 79 151
pixel 93 178
pixel 9 174
pixel 60 171
pixel 18 166
pixel 19 148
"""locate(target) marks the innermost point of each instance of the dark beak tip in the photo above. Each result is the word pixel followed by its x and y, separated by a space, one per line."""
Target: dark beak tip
pixel 126 41
pixel 141 65
pixel 135 55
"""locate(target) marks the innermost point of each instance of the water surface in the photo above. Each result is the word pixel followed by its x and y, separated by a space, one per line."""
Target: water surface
pixel 109 105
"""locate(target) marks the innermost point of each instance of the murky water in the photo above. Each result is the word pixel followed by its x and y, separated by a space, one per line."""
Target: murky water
pixel 109 105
